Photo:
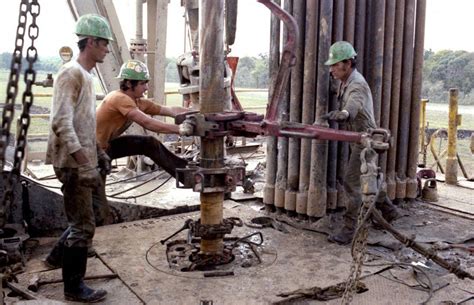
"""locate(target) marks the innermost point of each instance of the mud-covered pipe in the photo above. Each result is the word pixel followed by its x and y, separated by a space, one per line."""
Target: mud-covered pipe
pixel 405 99
pixel 359 39
pixel 308 107
pixel 337 35
pixel 369 41
pixel 338 21
pixel 296 84
pixel 283 116
pixel 349 21
pixel 317 188
pixel 377 57
pixel 413 147
pixel 387 73
pixel 451 159
pixel 274 60
pixel 212 95
pixel 395 96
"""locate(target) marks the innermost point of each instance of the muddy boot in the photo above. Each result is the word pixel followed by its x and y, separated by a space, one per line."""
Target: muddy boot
pixel 91 252
pixel 345 235
pixel 388 209
pixel 54 259
pixel 74 270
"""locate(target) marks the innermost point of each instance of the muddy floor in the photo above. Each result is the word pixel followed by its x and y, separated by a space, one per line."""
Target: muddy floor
pixel 289 256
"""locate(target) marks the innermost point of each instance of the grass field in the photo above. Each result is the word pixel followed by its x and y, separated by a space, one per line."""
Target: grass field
pixel 437 114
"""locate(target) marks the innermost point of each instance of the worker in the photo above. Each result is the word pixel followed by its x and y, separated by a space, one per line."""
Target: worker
pixel 120 108
pixel 114 115
pixel 357 115
pixel 73 152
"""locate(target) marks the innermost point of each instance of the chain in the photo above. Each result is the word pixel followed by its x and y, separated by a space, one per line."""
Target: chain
pixel 358 250
pixel 33 8
pixel 12 86
pixel 370 185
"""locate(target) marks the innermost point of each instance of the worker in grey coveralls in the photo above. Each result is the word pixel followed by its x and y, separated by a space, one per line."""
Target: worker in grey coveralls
pixel 73 152
pixel 357 113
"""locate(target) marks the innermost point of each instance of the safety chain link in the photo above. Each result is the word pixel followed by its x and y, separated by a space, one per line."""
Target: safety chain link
pixel 358 250
pixel 12 86
pixel 33 8
pixel 370 186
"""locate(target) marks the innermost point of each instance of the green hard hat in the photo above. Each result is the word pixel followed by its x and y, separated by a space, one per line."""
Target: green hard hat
pixel 340 51
pixel 93 25
pixel 134 70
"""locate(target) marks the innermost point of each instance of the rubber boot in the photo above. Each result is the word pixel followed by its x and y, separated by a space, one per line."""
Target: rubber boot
pixel 345 235
pixel 388 209
pixel 54 259
pixel 74 270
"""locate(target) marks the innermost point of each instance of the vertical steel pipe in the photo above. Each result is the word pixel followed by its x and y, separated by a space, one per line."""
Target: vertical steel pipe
pixel 405 99
pixel 387 73
pixel 413 147
pixel 395 96
pixel 212 94
pixel 337 35
pixel 349 21
pixel 451 160
pixel 377 57
pixel 338 20
pixel 296 83
pixel 274 60
pixel 308 107
pixel 369 41
pixel 317 189
pixel 359 39
pixel 282 161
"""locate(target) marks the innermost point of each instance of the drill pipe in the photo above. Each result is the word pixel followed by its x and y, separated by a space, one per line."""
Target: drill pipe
pixel 319 150
pixel 308 108
pixel 283 109
pixel 274 58
pixel 395 96
pixel 413 147
pixel 296 83
pixel 406 85
pixel 212 95
pixel 387 73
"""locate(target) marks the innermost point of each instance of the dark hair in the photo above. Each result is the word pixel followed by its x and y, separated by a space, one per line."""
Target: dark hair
pixel 125 87
pixel 81 44
pixel 352 60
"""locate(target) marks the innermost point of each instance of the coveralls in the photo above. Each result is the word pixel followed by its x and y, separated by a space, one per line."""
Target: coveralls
pixel 356 98
pixel 73 127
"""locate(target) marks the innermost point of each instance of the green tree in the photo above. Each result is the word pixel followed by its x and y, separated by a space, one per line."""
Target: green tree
pixel 447 69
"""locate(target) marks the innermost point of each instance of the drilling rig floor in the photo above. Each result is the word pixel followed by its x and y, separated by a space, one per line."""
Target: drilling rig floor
pixel 271 255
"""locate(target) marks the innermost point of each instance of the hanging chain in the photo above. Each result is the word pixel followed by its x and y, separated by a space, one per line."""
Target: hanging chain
pixel 12 87
pixel 370 186
pixel 30 77
pixel 359 246
pixel 33 8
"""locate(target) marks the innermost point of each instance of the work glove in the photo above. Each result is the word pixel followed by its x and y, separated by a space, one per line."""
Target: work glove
pixel 89 176
pixel 336 115
pixel 186 128
pixel 105 166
